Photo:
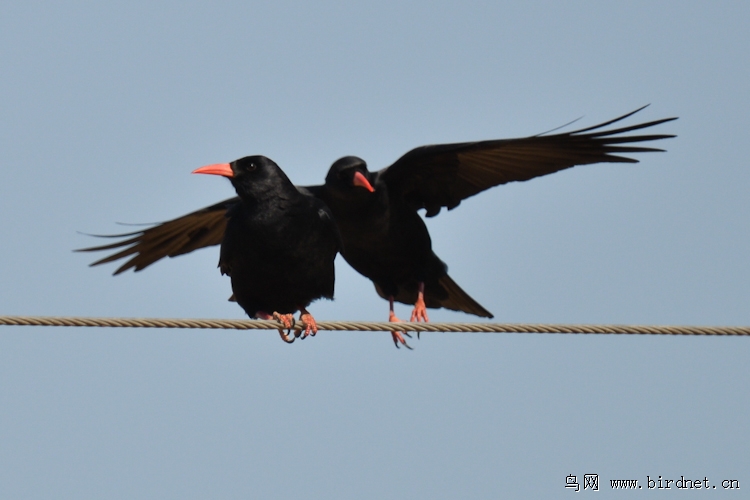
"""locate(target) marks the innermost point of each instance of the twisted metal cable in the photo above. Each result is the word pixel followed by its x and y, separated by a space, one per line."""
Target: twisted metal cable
pixel 365 326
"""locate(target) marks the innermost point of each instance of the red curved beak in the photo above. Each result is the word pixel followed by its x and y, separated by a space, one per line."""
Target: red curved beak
pixel 224 169
pixel 361 181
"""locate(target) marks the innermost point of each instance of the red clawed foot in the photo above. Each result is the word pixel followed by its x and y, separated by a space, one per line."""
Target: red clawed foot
pixel 420 310
pixel 288 321
pixel 311 328
pixel 285 319
pixel 398 337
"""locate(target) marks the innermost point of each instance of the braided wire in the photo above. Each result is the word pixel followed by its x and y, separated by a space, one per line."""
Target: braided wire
pixel 365 326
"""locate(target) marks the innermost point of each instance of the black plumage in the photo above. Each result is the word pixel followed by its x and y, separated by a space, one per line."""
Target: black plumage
pixel 383 236
pixel 279 244
pixel 387 241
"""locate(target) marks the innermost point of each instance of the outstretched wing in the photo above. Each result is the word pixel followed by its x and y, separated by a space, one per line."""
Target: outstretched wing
pixel 199 229
pixel 442 175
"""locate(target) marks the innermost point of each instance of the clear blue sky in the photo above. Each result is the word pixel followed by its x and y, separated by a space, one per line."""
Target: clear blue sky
pixel 105 108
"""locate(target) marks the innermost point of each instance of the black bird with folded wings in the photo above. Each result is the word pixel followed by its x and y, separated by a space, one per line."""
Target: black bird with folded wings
pixel 383 236
pixel 278 246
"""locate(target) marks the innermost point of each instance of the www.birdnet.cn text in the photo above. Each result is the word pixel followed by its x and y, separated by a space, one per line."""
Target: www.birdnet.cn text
pixel 592 482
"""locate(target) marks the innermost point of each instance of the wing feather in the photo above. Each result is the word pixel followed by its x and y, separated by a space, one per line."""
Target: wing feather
pixel 199 229
pixel 442 175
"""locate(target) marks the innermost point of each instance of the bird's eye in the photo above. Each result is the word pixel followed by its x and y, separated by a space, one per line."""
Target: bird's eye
pixel 251 167
pixel 343 176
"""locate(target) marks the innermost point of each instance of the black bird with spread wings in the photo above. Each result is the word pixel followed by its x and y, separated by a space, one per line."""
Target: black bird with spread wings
pixel 383 236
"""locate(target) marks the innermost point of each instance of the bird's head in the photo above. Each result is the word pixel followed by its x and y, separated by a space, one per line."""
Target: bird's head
pixel 251 176
pixel 349 176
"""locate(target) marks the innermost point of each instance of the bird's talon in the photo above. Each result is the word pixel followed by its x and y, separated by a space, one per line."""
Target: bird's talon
pixel 420 310
pixel 398 338
pixel 285 319
pixel 286 337
pixel 311 327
